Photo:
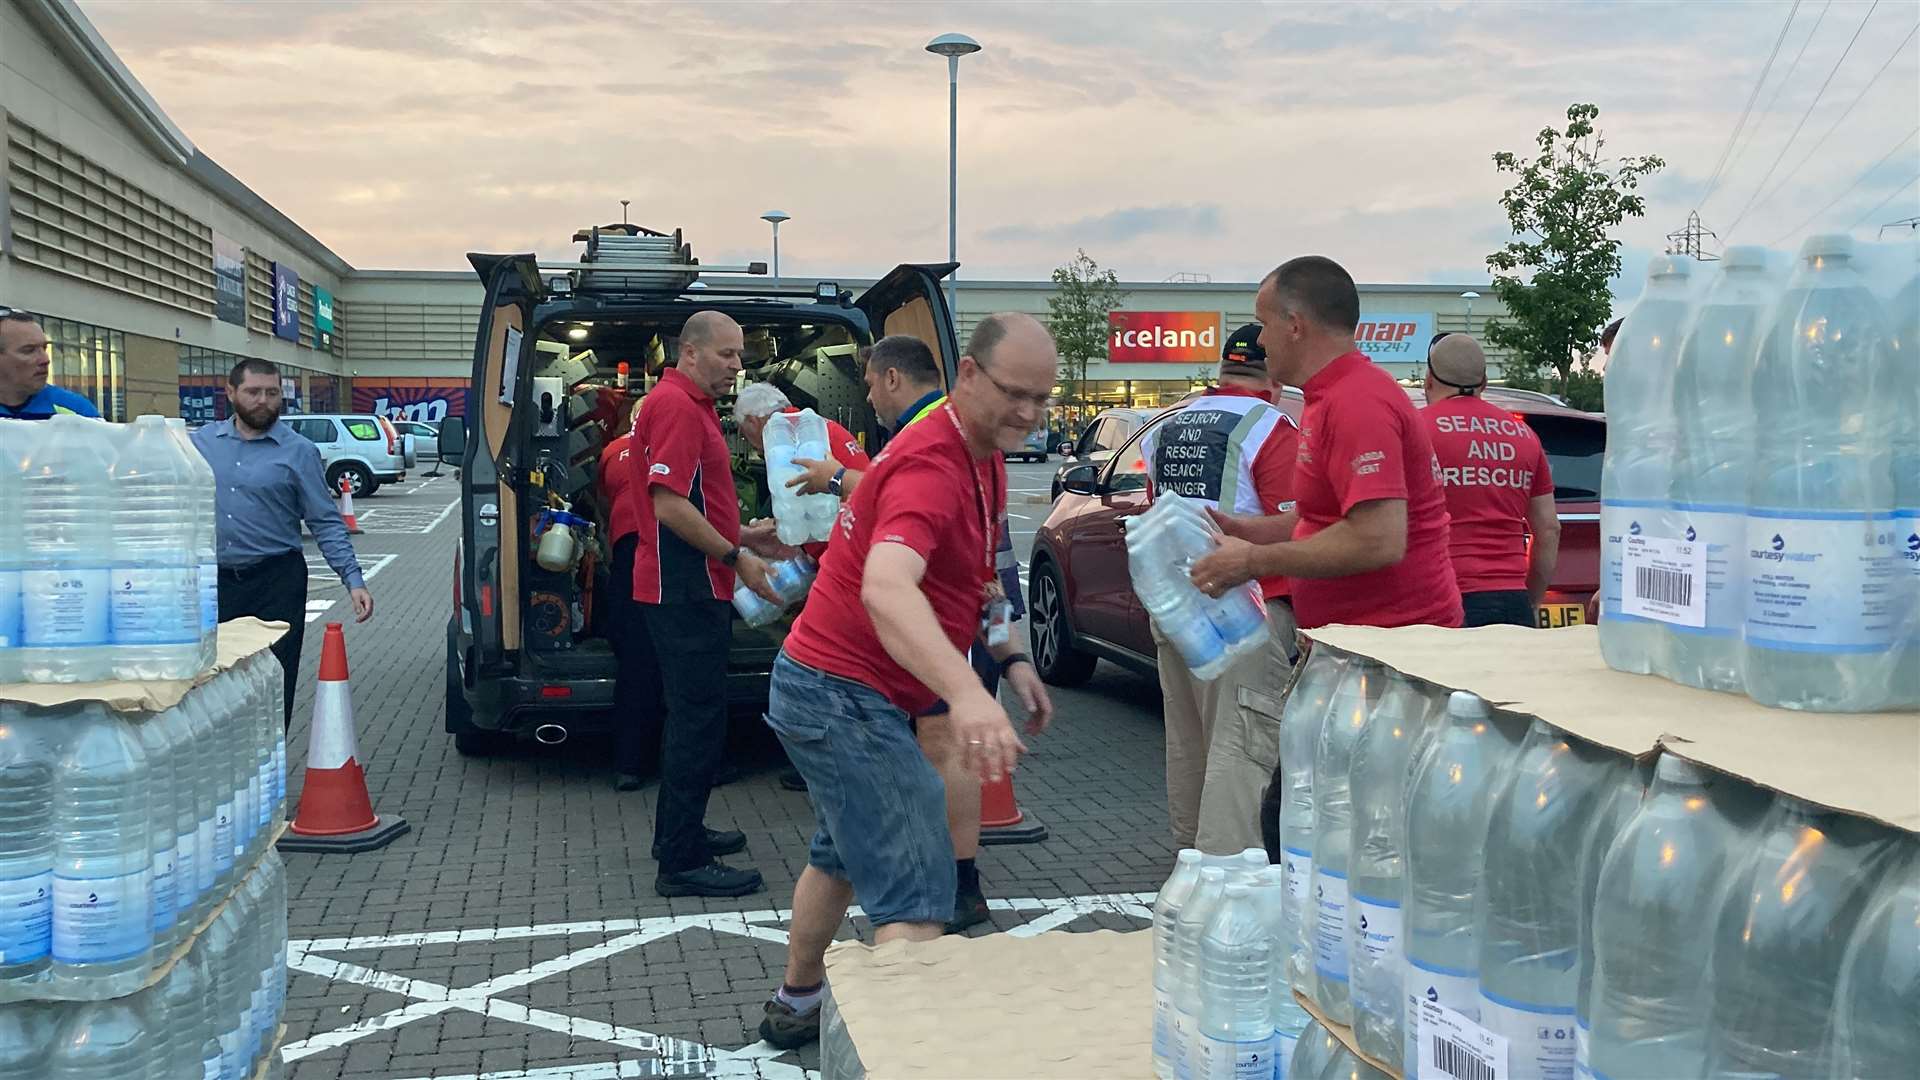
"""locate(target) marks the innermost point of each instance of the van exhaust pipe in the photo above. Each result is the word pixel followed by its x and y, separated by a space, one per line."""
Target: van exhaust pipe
pixel 550 734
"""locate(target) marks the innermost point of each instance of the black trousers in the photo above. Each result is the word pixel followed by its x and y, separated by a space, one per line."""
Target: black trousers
pixel 637 703
pixel 1500 607
pixel 275 589
pixel 690 639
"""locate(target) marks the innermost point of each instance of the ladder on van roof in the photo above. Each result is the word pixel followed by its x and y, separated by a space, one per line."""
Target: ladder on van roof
pixel 631 259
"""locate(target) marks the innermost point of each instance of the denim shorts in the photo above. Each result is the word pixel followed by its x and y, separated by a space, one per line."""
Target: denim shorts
pixel 880 808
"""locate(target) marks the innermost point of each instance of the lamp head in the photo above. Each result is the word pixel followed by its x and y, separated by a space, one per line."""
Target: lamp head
pixel 775 217
pixel 953 45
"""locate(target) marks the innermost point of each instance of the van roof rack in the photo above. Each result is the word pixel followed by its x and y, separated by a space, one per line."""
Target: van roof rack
pixel 630 259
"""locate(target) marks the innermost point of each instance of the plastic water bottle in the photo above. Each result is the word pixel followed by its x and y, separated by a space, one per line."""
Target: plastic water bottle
pixel 67 527
pixel 1653 925
pixel 1207 895
pixel 13 554
pixel 1240 615
pixel 1153 564
pixel 1313 1052
pixel 1376 864
pixel 1905 309
pixel 1636 481
pixel 1288 1019
pixel 26 1040
pixel 754 609
pixel 104 1040
pixel 1788 909
pixel 1878 994
pixel 793 578
pixel 189 792
pixel 1346 721
pixel 263 720
pixel 27 748
pixel 1822 571
pixel 788 435
pixel 1300 724
pixel 1712 404
pixel 211 756
pixel 155 612
pixel 227 1004
pixel 1449 798
pixel 184 993
pixel 1236 1014
pixel 823 507
pixel 1166 917
pixel 200 503
pixel 1346 1065
pixel 157 748
pixel 103 857
pixel 1527 918
pixel 1625 785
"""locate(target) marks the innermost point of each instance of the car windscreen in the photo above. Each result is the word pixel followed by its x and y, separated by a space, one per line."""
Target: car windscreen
pixel 1574 447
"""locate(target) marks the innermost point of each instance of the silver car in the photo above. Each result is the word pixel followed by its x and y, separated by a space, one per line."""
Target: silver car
pixel 361 449
pixel 425 435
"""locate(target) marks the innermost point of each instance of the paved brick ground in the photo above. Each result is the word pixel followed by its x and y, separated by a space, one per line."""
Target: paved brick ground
pixel 540 840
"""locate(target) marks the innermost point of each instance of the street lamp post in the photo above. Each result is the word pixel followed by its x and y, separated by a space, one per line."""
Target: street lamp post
pixel 953 47
pixel 774 218
pixel 1469 296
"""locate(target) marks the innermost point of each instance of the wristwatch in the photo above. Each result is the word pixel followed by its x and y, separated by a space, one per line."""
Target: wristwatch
pixel 732 556
pixel 1016 658
pixel 834 485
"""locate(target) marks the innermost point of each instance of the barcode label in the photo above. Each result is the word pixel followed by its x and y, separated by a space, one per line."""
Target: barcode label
pixel 1453 1047
pixel 1459 1062
pixel 1666 580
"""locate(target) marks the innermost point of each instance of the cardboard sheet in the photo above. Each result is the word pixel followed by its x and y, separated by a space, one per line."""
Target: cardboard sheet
pixel 1055 1006
pixel 239 639
pixel 1866 764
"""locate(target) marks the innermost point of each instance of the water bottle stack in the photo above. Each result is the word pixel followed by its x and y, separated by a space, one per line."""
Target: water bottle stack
pixel 106 552
pixel 1458 877
pixel 1209 633
pixel 142 906
pixel 798 518
pixel 1760 501
pixel 791 578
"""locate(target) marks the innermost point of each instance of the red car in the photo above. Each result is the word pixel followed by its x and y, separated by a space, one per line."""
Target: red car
pixel 1081 599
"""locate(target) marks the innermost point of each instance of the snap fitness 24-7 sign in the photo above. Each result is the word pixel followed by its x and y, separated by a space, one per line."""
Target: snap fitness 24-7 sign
pixel 1163 337
pixel 1394 339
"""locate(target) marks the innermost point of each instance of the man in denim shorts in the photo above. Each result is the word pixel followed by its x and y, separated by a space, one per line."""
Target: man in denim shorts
pixel 906 585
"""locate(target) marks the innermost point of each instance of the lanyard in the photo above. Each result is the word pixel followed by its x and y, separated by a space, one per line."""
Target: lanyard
pixel 987 528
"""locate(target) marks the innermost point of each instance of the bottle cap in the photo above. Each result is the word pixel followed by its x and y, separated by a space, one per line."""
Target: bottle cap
pixel 1745 257
pixel 1678 770
pixel 1827 246
pixel 1669 266
pixel 1238 889
pixel 1212 874
pixel 1466 706
pixel 1254 857
pixel 1190 856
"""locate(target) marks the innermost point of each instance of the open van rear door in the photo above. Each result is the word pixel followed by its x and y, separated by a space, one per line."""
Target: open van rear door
pixel 909 301
pixel 487 582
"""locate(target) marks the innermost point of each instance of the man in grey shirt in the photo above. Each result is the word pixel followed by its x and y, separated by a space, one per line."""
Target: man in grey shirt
pixel 267 481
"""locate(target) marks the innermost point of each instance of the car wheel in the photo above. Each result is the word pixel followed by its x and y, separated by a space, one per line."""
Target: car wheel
pixel 373 488
pixel 470 741
pixel 359 480
pixel 1049 635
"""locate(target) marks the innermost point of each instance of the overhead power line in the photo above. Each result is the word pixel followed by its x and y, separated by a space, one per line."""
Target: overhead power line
pixel 1818 94
pixel 1779 88
pixel 1835 126
pixel 1720 166
pixel 1861 179
pixel 1891 195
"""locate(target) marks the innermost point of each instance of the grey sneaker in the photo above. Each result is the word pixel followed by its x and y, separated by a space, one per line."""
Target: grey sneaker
pixel 789 1030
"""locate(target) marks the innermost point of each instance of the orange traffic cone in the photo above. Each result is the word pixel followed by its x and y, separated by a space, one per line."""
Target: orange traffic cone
pixel 336 814
pixel 346 507
pixel 1001 819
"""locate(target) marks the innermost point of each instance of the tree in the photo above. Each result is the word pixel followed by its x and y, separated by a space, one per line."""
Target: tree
pixel 1083 296
pixel 1564 206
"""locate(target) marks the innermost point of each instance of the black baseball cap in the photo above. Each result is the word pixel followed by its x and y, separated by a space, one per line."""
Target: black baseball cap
pixel 1242 354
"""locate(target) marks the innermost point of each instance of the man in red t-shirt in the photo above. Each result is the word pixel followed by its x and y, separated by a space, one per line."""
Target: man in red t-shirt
pixel 1366 542
pixel 1499 490
pixel 636 687
pixel 690 548
pixel 907 584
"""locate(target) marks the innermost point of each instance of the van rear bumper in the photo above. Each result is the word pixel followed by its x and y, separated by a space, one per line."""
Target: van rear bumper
pixel 516 704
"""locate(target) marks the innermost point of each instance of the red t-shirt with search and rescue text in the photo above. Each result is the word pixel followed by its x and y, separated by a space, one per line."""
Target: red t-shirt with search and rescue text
pixel 1360 440
pixel 677 445
pixel 1492 465
pixel 622 521
pixel 926 491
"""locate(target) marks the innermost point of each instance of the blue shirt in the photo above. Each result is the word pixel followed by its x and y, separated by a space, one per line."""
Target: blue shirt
pixel 263 489
pixel 51 399
pixel 915 410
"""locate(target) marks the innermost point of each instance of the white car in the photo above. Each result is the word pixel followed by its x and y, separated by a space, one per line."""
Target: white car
pixel 362 449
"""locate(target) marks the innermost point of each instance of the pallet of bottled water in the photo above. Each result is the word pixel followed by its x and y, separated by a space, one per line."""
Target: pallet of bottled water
pixel 142 907
pixel 107 567
pixel 1760 499
pixel 1209 633
pixel 1472 894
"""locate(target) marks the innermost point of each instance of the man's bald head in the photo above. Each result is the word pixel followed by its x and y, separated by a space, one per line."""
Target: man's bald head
pixel 711 344
pixel 1457 363
pixel 1005 379
pixel 703 327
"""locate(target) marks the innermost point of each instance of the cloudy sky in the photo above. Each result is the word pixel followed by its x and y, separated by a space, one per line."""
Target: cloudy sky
pixel 1215 138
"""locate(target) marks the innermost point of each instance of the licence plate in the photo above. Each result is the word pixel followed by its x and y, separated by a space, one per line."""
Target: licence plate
pixel 1553 616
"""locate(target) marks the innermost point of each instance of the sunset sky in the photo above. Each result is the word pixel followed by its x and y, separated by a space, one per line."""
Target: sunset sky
pixel 1211 138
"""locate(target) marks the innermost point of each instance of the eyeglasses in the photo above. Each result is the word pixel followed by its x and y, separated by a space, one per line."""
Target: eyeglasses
pixel 1018 397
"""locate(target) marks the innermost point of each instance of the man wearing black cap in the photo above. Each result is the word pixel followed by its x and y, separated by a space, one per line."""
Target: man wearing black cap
pixel 1232 449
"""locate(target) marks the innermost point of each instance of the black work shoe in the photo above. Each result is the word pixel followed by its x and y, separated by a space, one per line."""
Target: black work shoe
pixel 793 781
pixel 789 1030
pixel 969 910
pixel 713 879
pixel 719 842
pixel 627 781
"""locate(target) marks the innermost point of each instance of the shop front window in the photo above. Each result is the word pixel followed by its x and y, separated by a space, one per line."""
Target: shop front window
pixel 90 361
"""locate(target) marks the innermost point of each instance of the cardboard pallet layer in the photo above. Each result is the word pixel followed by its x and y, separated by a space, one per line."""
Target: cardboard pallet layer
pixel 239 639
pixel 1866 764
